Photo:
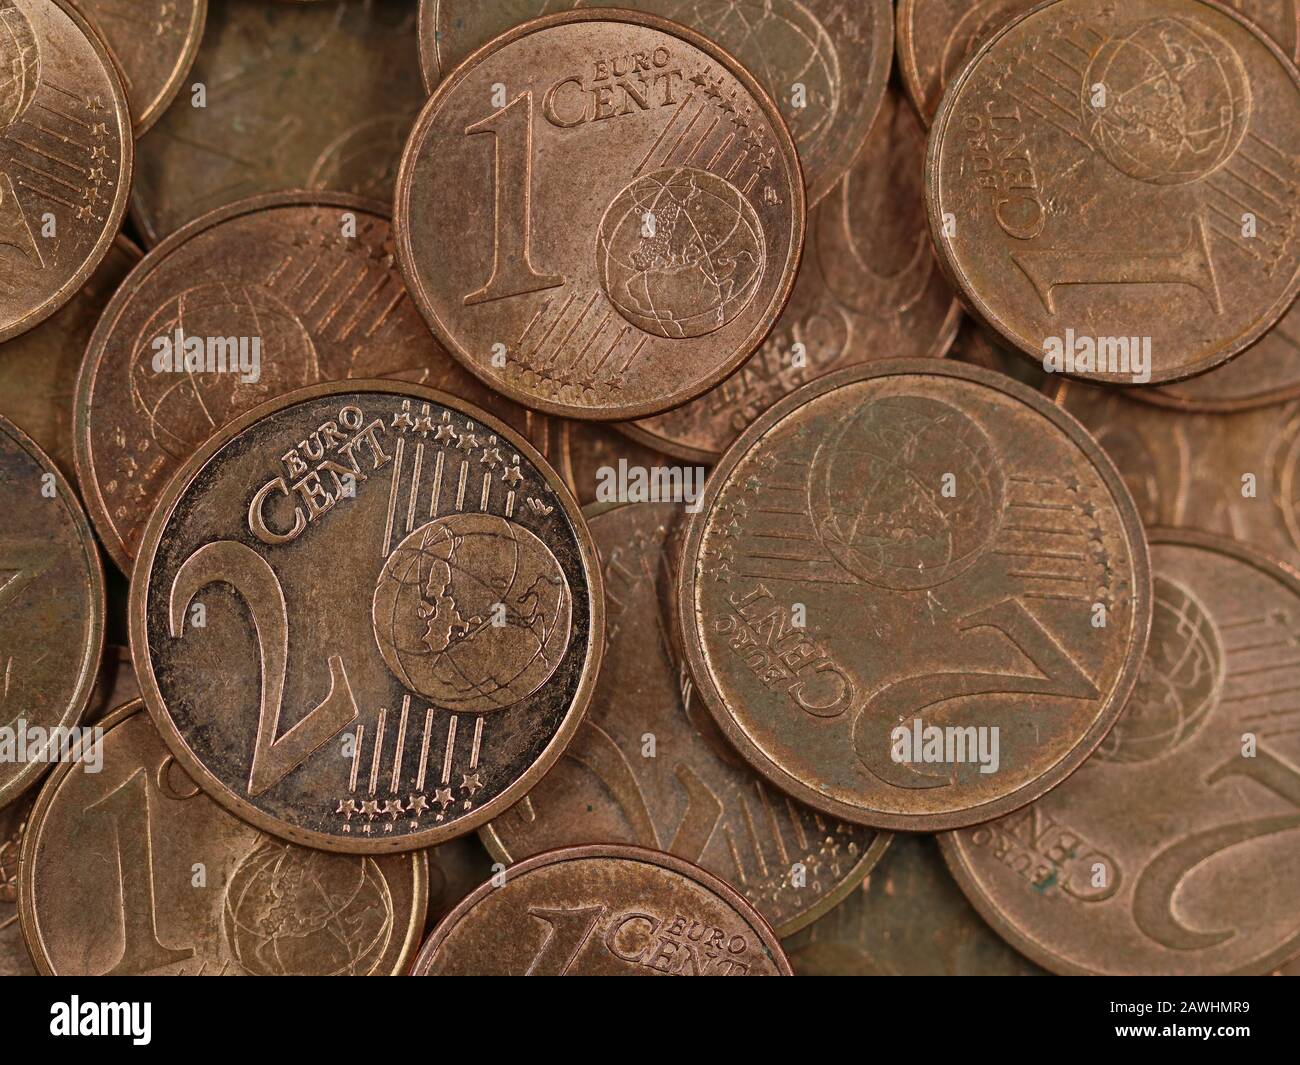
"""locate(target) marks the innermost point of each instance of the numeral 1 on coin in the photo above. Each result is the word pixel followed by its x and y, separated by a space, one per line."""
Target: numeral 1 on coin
pixel 512 267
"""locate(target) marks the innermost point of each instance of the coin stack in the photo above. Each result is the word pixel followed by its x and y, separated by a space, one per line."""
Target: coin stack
pixel 712 487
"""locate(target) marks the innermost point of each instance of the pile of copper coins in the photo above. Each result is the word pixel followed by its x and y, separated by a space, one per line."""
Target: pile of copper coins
pixel 703 487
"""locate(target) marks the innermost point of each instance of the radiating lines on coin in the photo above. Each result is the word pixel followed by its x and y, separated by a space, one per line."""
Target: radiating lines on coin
pixel 1262 670
pixel 1051 94
pixel 663 134
pixel 570 343
pixel 1250 197
pixel 777 540
pixel 400 749
pixel 392 495
pixel 378 751
pixel 1051 541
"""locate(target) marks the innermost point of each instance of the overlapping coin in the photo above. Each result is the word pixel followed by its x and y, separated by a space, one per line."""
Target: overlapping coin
pixel 603 911
pixel 65 158
pixel 868 288
pixel 51 612
pixel 1109 186
pixel 1150 859
pixel 366 617
pixel 648 767
pixel 179 887
pixel 916 595
pixel 282 96
pixel 824 62
pixel 644 282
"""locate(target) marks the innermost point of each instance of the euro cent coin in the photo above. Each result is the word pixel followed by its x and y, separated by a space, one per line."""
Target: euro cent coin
pixel 915 595
pixel 51 612
pixel 824 62
pixel 638 214
pixel 869 288
pixel 176 886
pixel 603 911
pixel 366 617
pixel 1150 859
pixel 1102 232
pixel 67 157
pixel 152 43
pixel 648 766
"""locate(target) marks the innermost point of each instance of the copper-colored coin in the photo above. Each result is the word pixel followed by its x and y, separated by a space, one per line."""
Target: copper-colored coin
pixel 306 280
pixel 1237 475
pixel 65 158
pixel 14 957
pixel 907 919
pixel 38 370
pixel 1269 372
pixel 51 608
pixel 824 62
pixel 314 96
pixel 177 886
pixel 397 574
pixel 1150 859
pixel 152 43
pixel 910 551
pixel 603 911
pixel 1109 186
pixel 868 289
pixel 648 766
pixel 936 38
pixel 638 214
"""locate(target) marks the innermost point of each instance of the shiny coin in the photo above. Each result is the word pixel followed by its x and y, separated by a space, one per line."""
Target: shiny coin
pixel 915 596
pixel 51 612
pixel 394 572
pixel 642 214
pixel 908 918
pixel 248 303
pixel 648 767
pixel 825 63
pixel 38 370
pixel 868 288
pixel 294 96
pixel 1150 859
pixel 67 143
pixel 152 44
pixel 1104 232
pixel 603 911
pixel 176 886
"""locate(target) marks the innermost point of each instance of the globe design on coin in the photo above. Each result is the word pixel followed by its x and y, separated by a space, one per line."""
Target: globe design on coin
pixel 185 405
pixel 291 911
pixel 20 64
pixel 473 612
pixel 680 252
pixel 1177 101
pixel 1180 681
pixel 906 493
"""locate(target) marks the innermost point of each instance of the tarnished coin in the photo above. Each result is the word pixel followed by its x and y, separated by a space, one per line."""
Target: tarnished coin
pixel 868 289
pixel 1173 850
pixel 603 911
pixel 637 207
pixel 65 163
pixel 916 595
pixel 51 611
pixel 908 918
pixel 176 886
pixel 647 766
pixel 152 43
pixel 247 303
pixel 936 38
pixel 824 62
pixel 1111 186
pixel 293 96
pixel 1237 475
pixel 14 957
pixel 38 370
pixel 1269 372
pixel 366 617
